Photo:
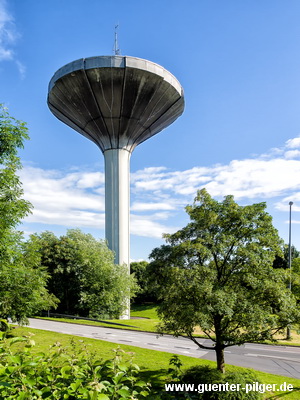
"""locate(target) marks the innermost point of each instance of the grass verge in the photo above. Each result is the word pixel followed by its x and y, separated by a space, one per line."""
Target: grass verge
pixel 154 364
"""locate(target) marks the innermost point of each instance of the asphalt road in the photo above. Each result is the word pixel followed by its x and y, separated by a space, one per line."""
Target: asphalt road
pixel 279 360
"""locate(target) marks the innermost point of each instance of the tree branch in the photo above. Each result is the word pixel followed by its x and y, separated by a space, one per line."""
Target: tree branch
pixel 207 334
pixel 202 346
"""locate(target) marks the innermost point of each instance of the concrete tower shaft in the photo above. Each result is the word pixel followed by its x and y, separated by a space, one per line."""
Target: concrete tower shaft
pixel 117 193
pixel 117 102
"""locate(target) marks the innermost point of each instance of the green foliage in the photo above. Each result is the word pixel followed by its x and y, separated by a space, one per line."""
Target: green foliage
pixel 66 373
pixel 145 294
pixel 175 365
pixel 206 375
pixel 83 275
pixel 12 207
pixel 5 327
pixel 195 383
pixel 283 260
pixel 74 372
pixel 22 281
pixel 292 276
pixel 217 273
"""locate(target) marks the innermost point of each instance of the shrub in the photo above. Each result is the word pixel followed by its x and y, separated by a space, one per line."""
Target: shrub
pixel 207 375
pixel 5 326
pixel 66 373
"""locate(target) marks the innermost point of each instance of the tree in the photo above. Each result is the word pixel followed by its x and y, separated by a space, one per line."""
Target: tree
pixel 216 273
pixel 292 275
pixel 22 281
pixel 58 256
pixel 83 275
pixel 283 262
pixel 145 294
pixel 12 207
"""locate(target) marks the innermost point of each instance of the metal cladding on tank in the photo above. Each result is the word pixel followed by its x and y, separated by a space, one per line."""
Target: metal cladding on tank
pixel 116 101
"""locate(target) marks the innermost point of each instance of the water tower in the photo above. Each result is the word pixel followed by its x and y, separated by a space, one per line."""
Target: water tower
pixel 117 102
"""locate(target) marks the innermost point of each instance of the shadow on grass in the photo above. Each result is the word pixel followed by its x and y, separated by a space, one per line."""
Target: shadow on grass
pixel 157 377
pixel 143 307
pixel 285 395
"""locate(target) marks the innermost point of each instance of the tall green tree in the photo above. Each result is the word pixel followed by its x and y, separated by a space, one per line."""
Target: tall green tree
pixel 283 261
pixel 216 273
pixel 83 275
pixel 13 208
pixel 145 294
pixel 294 275
pixel 22 280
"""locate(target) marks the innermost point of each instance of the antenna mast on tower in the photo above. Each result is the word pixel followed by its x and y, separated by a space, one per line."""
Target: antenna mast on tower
pixel 116 45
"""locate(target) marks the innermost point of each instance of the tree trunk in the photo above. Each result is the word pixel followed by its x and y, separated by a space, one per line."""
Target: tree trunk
pixel 220 358
pixel 219 347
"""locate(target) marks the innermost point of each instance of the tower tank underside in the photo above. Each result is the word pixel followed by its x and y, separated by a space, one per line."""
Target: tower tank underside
pixel 117 102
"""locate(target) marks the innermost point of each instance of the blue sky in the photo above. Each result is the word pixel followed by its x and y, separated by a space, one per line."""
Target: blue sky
pixel 239 65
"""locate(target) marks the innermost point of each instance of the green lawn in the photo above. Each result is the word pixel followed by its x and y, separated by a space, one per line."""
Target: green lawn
pixel 154 364
pixel 148 321
pixel 144 311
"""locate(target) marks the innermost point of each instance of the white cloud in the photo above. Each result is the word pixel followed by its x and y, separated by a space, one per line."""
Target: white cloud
pixel 283 204
pixel 63 199
pixel 91 179
pixel 147 226
pixel 5 54
pixel 21 68
pixel 8 38
pixel 8 33
pixel 76 198
pixel 69 199
pixel 252 178
pixel 72 218
pixel 138 206
pixel 292 154
pixel 293 143
pixel 247 178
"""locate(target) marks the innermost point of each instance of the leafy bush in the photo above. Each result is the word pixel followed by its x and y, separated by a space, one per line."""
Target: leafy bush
pixel 65 373
pixel 5 327
pixel 83 275
pixel 206 375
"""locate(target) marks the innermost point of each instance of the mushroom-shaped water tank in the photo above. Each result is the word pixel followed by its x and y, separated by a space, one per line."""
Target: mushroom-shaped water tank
pixel 117 102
